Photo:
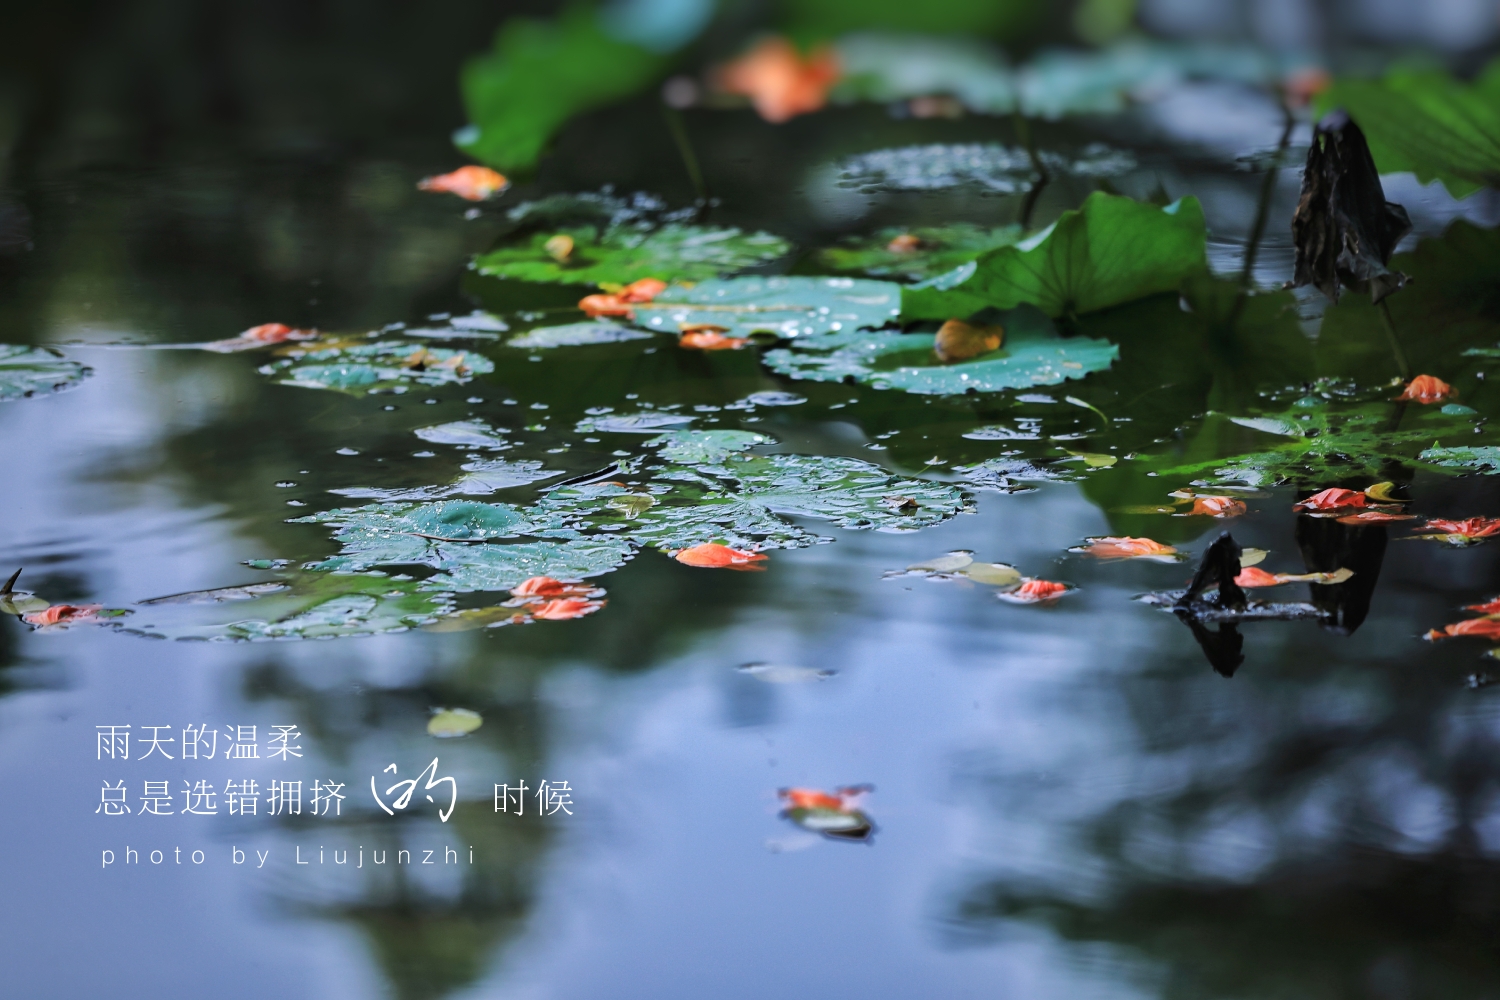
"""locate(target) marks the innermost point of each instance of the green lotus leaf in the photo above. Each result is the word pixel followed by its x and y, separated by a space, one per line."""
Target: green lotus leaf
pixel 501 567
pixel 1110 251
pixel 1426 122
pixel 576 335
pixel 382 366
pixel 938 250
pixel 704 447
pixel 540 74
pixel 989 168
pixel 429 534
pixel 483 477
pixel 1485 458
pixel 27 371
pixel 783 306
pixel 468 433
pixel 1032 355
pixel 622 254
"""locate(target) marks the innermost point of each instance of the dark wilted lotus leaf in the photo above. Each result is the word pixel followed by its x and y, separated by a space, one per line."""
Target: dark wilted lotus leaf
pixel 1344 229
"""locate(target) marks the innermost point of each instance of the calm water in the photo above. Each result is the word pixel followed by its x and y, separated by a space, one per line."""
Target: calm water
pixel 1070 801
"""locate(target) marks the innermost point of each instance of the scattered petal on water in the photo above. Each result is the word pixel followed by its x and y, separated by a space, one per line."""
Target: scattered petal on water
pixel 449 722
pixel 1469 531
pixel 1481 628
pixel 566 608
pixel 837 815
pixel 780 673
pixel 472 183
pixel 60 616
pixel 1036 591
pixel 1426 389
pixel 993 574
pixel 711 555
pixel 1490 607
pixel 1108 547
pixel 705 338
pixel 559 247
pixel 1331 500
pixel 260 336
pixel 1251 576
pixel 1216 506
pixel 950 563
pixel 1374 517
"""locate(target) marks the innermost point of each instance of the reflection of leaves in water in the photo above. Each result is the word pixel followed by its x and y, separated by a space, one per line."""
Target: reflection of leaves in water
pixel 383 366
pixel 785 306
pixel 626 253
pixel 1110 251
pixel 1426 122
pixel 26 371
pixel 575 335
pixel 1032 355
pixel 922 252
pixel 991 168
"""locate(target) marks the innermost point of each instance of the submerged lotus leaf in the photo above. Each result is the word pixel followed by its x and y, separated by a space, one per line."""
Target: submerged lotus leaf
pixel 1481 459
pixel 27 371
pixel 632 423
pixel 1323 441
pixel 383 366
pixel 489 566
pixel 704 447
pixel 470 433
pixel 447 723
pixel 429 534
pixel 310 606
pixel 1110 251
pixel 783 306
pixel 917 253
pixel 737 502
pixel 622 254
pixel 576 335
pixel 1426 122
pixel 484 476
pixel 991 168
pixel 1032 355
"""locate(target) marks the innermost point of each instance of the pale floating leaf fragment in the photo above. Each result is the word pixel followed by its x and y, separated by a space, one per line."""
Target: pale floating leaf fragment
pixel 950 563
pixel 632 423
pixel 1095 460
pixel 473 433
pixel 1269 425
pixel 576 335
pixel 29 371
pixel 781 673
pixel 993 574
pixel 450 722
pixel 1252 557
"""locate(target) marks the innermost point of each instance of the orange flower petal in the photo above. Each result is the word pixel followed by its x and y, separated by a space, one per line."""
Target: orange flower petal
pixel 1470 527
pixel 1490 607
pixel 1373 517
pixel 643 290
pixel 810 798
pixel 1217 506
pixel 1426 389
pixel 566 608
pixel 1483 628
pixel 780 83
pixel 62 613
pixel 708 341
pixel 1331 499
pixel 1254 576
pixel 905 243
pixel 1126 548
pixel 1035 591
pixel 539 586
pixel 605 305
pixel 470 183
pixel 712 555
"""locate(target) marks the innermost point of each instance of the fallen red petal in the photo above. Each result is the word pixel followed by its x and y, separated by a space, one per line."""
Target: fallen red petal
pixel 1254 576
pixel 1218 506
pixel 566 608
pixel 1332 499
pixel 1483 628
pixel 810 798
pixel 62 613
pixel 1126 548
pixel 1374 517
pixel 1471 527
pixel 470 183
pixel 1490 607
pixel 643 290
pixel 1426 389
pixel 712 555
pixel 539 586
pixel 709 341
pixel 605 305
pixel 1033 591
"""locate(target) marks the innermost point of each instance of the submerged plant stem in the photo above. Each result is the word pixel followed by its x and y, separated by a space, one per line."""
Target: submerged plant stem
pixel 690 163
pixel 1389 322
pixel 1023 132
pixel 1267 190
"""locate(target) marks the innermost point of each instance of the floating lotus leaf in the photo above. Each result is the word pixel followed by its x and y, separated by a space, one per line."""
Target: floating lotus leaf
pixel 736 502
pixel 316 606
pixel 428 534
pixel 889 67
pixel 987 167
pixel 447 723
pixel 27 371
pixel 488 567
pixel 469 433
pixel 485 476
pixel 622 254
pixel 1110 251
pixel 383 366
pixel 1426 122
pixel 1031 355
pixel 783 306
pixel 576 335
pixel 1481 459
pixel 704 447
pixel 922 252
pixel 632 423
